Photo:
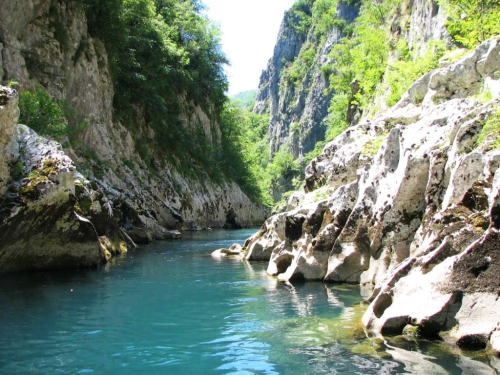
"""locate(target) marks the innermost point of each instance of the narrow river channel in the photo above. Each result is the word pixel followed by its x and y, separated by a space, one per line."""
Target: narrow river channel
pixel 168 308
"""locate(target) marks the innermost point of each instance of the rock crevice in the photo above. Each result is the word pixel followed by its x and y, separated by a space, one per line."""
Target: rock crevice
pixel 416 221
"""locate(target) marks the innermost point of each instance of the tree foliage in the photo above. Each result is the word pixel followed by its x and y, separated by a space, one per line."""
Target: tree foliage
pixel 164 54
pixel 42 114
pixel 409 68
pixel 471 22
pixel 301 16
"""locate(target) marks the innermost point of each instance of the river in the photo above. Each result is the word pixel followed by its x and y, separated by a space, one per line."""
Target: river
pixel 168 308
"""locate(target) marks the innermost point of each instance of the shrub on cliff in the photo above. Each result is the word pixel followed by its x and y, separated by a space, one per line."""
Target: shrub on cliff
pixel 165 55
pixel 471 22
pixel 42 114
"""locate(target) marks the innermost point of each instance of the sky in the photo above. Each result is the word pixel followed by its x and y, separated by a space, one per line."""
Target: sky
pixel 249 32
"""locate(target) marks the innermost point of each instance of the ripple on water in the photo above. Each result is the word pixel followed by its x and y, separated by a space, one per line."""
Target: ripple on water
pixel 169 309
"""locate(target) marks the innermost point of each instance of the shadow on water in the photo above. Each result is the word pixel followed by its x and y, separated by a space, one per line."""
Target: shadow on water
pixel 170 308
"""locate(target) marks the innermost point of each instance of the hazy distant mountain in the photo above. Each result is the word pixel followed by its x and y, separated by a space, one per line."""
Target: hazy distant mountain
pixel 244 99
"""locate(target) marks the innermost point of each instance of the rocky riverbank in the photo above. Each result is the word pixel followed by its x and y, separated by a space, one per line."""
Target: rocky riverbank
pixel 51 216
pixel 407 204
pixel 107 184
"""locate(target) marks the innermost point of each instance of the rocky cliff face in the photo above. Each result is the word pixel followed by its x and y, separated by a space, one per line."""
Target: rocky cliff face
pixel 298 110
pixel 46 42
pixel 407 205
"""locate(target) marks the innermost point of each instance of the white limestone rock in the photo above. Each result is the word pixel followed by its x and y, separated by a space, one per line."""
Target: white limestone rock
pixel 422 216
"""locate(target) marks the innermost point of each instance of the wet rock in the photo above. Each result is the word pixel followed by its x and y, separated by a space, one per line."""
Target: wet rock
pixel 414 217
pixel 234 250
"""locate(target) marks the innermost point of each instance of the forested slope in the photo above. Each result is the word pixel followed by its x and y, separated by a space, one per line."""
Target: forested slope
pixel 134 91
pixel 338 62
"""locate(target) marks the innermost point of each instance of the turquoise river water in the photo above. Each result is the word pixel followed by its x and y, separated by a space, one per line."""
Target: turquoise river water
pixel 168 308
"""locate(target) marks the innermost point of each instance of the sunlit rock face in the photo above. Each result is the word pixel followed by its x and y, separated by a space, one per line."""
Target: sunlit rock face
pixel 47 43
pixel 407 204
pixel 298 111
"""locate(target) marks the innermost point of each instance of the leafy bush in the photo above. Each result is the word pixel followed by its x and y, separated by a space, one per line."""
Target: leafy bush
pixel 282 170
pixel 244 153
pixel 301 16
pixel 318 149
pixel 363 57
pixel 404 72
pixel 17 170
pixel 42 114
pixel 491 130
pixel 373 145
pixel 471 22
pixel 299 68
pixel 324 15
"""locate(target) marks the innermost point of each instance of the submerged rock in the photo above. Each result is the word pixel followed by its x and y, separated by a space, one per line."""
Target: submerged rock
pixel 234 250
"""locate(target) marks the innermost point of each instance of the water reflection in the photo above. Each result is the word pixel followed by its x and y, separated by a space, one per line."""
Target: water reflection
pixel 168 308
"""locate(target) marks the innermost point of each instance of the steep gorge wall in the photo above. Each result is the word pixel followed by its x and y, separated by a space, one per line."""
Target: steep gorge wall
pixel 44 42
pixel 407 205
pixel 299 111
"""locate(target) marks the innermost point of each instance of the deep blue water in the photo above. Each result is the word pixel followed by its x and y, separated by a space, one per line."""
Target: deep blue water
pixel 168 308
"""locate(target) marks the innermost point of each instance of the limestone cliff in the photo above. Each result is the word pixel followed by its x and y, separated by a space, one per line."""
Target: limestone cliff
pixel 407 205
pixel 298 110
pixel 47 43
pixel 296 88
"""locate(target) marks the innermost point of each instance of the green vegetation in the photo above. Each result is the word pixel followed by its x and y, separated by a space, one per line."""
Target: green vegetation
pixel 49 117
pixel 242 156
pixel 409 68
pixel 301 16
pixel 491 130
pixel 12 82
pixel 471 22
pixel 245 99
pixel 360 58
pixel 362 55
pixel 246 158
pixel 295 71
pixel 17 171
pixel 282 170
pixel 324 16
pixel 165 58
pixel 373 145
pixel 42 114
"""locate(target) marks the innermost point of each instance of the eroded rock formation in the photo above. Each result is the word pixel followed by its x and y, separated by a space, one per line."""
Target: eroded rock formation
pixel 407 204
pixel 47 43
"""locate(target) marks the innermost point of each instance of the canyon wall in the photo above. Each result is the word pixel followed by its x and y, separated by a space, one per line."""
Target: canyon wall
pixel 407 205
pixel 46 44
